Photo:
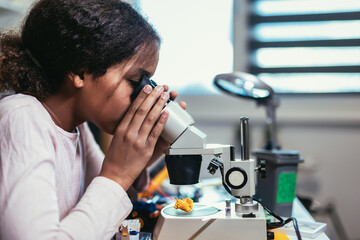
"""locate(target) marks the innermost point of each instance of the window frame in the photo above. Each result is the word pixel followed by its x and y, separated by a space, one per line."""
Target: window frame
pixel 252 19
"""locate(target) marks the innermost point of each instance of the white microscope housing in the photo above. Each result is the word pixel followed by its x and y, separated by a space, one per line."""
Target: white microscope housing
pixel 246 220
pixel 186 139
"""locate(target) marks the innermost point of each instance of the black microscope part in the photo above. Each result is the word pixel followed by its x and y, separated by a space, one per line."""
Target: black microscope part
pixel 138 86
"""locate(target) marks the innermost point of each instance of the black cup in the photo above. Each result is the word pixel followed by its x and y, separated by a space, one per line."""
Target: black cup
pixel 183 169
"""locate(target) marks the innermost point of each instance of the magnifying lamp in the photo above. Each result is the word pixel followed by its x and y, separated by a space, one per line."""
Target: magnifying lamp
pixel 248 86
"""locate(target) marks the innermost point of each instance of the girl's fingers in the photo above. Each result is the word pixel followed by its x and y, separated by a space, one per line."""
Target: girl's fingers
pixel 143 113
pixel 135 106
pixel 173 95
pixel 158 128
pixel 166 88
pixel 153 115
pixel 183 105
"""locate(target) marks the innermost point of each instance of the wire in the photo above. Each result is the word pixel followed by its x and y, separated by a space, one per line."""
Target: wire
pixel 281 222
pixel 272 225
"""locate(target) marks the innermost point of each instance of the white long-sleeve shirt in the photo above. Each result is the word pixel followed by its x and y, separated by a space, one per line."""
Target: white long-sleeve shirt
pixel 49 188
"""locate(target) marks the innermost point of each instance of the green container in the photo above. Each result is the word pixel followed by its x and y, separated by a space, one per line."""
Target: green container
pixel 277 190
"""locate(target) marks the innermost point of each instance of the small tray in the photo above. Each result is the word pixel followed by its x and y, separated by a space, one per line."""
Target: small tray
pixel 307 229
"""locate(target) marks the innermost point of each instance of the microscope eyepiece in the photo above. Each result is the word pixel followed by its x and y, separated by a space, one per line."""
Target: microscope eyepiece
pixel 140 85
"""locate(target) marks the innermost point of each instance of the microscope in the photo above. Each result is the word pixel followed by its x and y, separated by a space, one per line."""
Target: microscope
pixel 277 191
pixel 244 219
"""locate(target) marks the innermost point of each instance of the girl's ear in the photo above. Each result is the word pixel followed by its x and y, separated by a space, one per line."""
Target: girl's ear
pixel 77 79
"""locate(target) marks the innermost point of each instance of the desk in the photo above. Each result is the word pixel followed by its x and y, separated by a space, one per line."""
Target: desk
pixel 213 194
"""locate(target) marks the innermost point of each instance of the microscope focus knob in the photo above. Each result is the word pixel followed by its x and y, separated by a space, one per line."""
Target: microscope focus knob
pixel 236 178
pixel 261 168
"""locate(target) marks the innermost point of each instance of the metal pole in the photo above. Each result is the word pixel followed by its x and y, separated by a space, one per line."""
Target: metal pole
pixel 244 138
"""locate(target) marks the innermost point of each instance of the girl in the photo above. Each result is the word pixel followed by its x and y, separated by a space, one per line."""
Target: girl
pixel 76 61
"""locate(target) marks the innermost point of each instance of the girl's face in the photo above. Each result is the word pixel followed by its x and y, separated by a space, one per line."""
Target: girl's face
pixel 105 101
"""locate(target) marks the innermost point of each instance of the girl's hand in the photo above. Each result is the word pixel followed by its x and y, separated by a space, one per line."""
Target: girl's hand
pixel 135 138
pixel 162 144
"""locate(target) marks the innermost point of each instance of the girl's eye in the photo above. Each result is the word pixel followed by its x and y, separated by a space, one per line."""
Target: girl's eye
pixel 133 83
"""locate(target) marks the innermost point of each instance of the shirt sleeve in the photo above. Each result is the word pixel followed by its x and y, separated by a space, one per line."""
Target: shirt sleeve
pixel 28 201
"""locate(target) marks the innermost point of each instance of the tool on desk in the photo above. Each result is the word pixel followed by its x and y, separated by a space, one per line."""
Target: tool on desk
pixel 129 230
pixel 188 144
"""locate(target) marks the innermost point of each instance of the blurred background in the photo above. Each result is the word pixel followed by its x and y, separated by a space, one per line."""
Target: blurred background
pixel 308 51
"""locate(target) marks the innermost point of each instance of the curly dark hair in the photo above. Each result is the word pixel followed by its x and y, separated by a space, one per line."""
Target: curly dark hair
pixel 59 37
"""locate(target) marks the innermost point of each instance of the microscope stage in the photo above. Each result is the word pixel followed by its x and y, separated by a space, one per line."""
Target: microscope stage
pixel 197 211
pixel 209 222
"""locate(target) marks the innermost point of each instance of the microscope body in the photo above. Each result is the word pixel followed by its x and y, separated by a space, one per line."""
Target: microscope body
pixel 244 219
pixel 187 140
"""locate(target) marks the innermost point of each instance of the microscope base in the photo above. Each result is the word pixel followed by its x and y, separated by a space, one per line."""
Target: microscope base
pixel 209 223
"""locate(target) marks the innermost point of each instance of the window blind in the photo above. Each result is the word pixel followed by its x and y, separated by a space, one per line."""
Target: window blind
pixel 306 46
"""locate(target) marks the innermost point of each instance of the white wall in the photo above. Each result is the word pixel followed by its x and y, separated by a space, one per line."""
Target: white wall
pixel 12 13
pixel 324 129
